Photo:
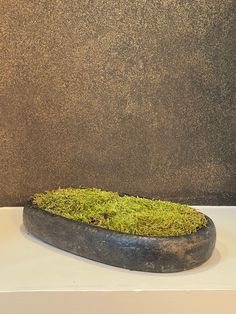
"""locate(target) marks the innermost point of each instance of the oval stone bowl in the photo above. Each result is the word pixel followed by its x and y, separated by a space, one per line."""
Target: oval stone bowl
pixel 140 253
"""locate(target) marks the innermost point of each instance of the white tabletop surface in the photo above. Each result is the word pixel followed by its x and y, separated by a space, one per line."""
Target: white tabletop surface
pixel 27 264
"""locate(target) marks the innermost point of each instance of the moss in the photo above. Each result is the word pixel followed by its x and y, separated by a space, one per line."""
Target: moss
pixel 128 214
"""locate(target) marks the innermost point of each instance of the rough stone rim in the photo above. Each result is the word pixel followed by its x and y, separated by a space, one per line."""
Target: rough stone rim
pixel 29 203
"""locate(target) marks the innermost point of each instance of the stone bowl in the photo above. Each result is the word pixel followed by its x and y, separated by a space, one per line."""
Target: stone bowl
pixel 140 253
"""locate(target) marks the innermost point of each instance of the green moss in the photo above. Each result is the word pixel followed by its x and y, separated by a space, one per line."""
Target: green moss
pixel 127 214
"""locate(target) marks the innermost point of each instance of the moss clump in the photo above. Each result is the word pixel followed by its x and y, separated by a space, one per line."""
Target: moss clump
pixel 128 214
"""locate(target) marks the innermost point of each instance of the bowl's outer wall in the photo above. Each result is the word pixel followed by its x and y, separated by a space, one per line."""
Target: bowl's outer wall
pixel 151 254
pixel 130 96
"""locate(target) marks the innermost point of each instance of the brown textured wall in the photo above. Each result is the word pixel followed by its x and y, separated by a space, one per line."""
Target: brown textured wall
pixel 132 96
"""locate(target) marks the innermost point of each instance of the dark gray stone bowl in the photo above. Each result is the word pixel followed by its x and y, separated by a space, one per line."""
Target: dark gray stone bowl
pixel 150 254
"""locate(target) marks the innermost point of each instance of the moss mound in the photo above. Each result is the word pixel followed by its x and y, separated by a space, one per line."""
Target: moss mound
pixel 128 214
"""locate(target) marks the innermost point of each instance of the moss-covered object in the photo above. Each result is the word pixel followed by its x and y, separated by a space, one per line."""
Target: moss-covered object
pixel 126 214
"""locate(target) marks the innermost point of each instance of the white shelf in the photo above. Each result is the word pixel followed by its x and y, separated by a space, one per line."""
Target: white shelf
pixel 34 274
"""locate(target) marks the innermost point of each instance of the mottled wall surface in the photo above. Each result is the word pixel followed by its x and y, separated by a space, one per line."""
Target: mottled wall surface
pixel 131 96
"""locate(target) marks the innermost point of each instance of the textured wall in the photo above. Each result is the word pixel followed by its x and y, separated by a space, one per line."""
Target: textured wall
pixel 132 96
